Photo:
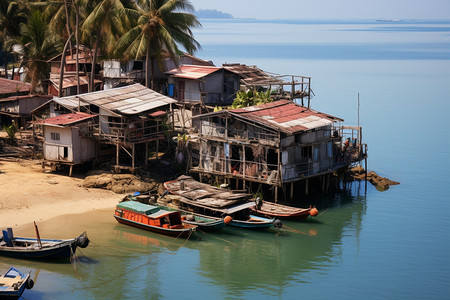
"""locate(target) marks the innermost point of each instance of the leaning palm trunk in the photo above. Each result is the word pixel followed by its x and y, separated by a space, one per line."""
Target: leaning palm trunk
pixel 94 56
pixel 63 63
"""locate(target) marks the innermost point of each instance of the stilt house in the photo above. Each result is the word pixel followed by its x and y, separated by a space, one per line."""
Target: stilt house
pixel 278 143
pixel 68 139
pixel 129 118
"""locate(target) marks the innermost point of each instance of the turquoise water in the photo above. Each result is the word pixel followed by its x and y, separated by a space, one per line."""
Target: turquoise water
pixel 392 244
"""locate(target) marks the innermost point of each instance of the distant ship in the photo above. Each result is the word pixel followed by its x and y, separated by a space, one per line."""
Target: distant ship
pixel 388 20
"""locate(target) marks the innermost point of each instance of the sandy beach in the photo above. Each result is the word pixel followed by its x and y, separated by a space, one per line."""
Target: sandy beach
pixel 27 194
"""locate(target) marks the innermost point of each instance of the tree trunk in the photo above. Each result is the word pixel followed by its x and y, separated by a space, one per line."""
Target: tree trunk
pixel 67 24
pixel 61 70
pixel 148 62
pixel 77 23
pixel 94 57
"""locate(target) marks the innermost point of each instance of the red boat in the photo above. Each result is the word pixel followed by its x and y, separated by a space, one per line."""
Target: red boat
pixel 274 210
pixel 152 218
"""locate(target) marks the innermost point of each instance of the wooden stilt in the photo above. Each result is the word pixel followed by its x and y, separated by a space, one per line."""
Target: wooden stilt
pixel 306 186
pixel 70 170
pixel 157 148
pixel 292 191
pixel 146 153
pixel 117 154
pixel 133 154
pixel 276 193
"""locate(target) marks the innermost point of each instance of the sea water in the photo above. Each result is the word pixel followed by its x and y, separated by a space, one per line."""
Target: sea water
pixel 366 244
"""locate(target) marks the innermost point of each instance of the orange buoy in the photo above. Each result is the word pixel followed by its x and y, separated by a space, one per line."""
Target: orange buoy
pixel 227 220
pixel 313 212
pixel 312 232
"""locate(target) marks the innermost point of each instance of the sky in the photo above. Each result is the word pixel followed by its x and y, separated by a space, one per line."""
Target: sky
pixel 330 9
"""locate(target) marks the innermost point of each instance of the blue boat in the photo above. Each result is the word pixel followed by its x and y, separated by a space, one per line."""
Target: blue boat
pixel 253 222
pixel 13 283
pixel 37 248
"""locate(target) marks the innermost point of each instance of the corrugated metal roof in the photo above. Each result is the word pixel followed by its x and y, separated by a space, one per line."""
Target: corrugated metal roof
pixel 192 72
pixel 8 86
pixel 66 119
pixel 72 81
pixel 286 116
pixel 128 100
pixel 252 75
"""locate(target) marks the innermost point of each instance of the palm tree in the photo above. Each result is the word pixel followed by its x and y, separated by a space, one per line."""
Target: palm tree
pixel 161 25
pixel 11 15
pixel 105 22
pixel 37 45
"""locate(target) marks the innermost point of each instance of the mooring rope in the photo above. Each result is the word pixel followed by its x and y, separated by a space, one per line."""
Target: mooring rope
pixel 217 237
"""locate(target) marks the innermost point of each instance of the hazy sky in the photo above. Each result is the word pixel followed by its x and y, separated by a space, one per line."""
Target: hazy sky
pixel 330 9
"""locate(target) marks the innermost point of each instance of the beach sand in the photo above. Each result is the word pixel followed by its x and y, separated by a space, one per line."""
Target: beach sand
pixel 27 194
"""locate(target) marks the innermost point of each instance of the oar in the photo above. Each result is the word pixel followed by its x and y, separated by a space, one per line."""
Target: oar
pixel 37 234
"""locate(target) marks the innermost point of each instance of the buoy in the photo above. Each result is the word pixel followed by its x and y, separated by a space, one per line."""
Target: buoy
pixel 312 232
pixel 227 220
pixel 82 241
pixel 29 283
pixel 313 212
pixel 277 223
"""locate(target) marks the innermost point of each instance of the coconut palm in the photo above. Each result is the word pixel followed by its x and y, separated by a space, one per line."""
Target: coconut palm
pixel 161 26
pixel 11 15
pixel 105 22
pixel 36 45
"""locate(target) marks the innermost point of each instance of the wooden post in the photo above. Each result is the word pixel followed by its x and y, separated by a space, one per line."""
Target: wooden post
pixel 70 170
pixel 146 153
pixel 133 153
pixel 306 186
pixel 117 153
pixel 157 148
pixel 276 193
pixel 37 235
pixel 292 190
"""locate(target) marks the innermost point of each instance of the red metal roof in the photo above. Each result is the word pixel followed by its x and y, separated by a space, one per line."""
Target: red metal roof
pixel 66 119
pixel 286 116
pixel 192 72
pixel 11 87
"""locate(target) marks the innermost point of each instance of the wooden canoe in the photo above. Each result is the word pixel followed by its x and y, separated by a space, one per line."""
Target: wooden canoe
pixel 275 210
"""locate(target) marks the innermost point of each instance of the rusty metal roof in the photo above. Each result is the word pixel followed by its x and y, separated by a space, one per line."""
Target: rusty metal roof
pixel 286 116
pixel 252 75
pixel 10 87
pixel 127 100
pixel 67 119
pixel 70 81
pixel 192 72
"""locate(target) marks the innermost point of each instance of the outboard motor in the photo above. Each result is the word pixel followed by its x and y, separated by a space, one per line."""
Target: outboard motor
pixel 277 223
pixel 83 240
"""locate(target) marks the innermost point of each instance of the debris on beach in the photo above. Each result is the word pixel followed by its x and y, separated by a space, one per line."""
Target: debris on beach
pixel 119 183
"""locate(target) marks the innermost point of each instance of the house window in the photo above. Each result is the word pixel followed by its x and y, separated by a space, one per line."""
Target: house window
pixel 54 136
pixel 307 152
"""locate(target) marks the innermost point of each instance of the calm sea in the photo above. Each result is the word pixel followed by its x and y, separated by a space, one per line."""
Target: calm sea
pixel 376 245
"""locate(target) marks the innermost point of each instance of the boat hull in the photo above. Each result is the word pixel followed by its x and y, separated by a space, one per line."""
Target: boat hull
pixel 8 292
pixel 185 232
pixel 62 249
pixel 254 222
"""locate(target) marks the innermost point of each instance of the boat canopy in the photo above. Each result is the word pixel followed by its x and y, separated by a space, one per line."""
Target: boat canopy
pixel 138 207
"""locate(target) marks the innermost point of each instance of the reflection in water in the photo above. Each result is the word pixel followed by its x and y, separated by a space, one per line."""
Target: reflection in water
pixel 124 262
pixel 263 260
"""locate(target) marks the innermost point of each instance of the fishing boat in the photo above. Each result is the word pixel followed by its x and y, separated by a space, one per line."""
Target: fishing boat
pixel 37 248
pixel 275 210
pixel 203 222
pixel 217 202
pixel 152 218
pixel 13 283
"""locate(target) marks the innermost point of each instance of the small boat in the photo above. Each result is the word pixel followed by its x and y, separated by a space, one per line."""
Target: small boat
pixel 255 222
pixel 217 202
pixel 152 218
pixel 203 222
pixel 13 283
pixel 37 248
pixel 275 210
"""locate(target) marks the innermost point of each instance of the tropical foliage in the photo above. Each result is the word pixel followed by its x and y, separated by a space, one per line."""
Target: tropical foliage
pixel 126 29
pixel 161 26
